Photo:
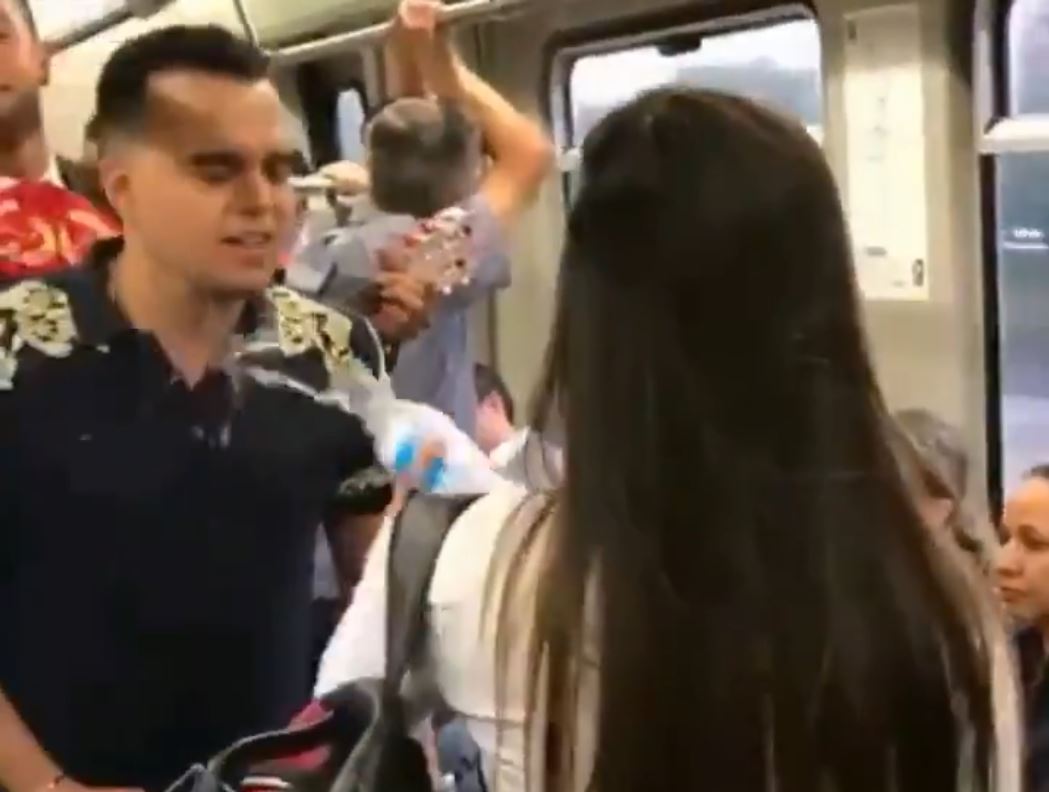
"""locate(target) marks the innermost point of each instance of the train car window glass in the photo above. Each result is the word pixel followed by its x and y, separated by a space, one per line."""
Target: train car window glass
pixel 55 17
pixel 350 114
pixel 1017 147
pixel 1028 57
pixel 778 63
pixel 1023 297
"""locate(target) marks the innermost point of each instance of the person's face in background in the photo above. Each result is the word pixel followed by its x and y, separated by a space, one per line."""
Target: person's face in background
pixel 23 67
pixel 493 427
pixel 203 190
pixel 935 503
pixel 1022 567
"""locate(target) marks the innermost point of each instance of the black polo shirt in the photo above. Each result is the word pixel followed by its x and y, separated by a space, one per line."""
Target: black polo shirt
pixel 156 541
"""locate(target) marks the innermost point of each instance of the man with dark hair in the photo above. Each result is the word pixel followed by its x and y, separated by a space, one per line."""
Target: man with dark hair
pixel 425 154
pixel 24 70
pixel 495 409
pixel 172 430
pixel 52 210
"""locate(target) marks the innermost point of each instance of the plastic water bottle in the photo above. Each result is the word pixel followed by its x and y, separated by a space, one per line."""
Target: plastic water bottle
pixel 402 428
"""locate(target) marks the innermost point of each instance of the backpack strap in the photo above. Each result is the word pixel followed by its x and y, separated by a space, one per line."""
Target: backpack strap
pixel 415 544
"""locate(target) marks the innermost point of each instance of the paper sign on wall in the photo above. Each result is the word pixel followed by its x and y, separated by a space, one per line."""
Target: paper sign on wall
pixel 885 118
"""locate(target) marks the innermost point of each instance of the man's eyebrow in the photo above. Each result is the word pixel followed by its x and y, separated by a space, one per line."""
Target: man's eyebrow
pixel 286 157
pixel 1031 530
pixel 233 158
pixel 204 159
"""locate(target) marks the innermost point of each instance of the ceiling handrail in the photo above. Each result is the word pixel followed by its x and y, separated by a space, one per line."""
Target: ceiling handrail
pixel 319 48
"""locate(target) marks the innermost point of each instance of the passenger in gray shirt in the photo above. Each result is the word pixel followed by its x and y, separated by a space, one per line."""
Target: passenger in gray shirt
pixel 426 152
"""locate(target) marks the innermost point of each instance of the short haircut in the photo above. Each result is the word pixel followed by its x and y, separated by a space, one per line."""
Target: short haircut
pixel 487 382
pixel 423 156
pixel 122 100
pixel 92 131
pixel 1038 472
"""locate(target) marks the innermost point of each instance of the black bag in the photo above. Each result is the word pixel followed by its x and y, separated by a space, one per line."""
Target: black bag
pixel 362 736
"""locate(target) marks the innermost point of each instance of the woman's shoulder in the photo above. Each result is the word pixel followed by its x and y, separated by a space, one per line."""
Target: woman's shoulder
pixel 486 533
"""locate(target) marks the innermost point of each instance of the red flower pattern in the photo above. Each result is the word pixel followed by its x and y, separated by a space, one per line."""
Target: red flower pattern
pixel 44 227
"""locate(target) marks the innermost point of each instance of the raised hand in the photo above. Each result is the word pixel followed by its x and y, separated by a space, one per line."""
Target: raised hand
pixel 419 17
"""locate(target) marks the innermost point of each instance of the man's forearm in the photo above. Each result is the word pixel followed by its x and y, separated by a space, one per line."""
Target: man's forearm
pixel 500 122
pixel 24 765
pixel 522 153
pixel 350 537
pixel 403 77
pixel 508 132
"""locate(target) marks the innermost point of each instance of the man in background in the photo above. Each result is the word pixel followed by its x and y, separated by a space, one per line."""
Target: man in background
pixel 495 411
pixel 513 452
pixel 425 154
pixel 24 71
pixel 52 209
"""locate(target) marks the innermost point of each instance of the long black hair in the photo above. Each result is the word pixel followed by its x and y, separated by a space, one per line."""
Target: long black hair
pixel 772 613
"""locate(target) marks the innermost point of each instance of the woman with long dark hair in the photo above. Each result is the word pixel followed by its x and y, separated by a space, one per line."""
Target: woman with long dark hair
pixel 732 590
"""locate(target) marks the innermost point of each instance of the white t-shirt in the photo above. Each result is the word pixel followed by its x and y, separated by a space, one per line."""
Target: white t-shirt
pixel 464 609
pixel 534 464
pixel 464 612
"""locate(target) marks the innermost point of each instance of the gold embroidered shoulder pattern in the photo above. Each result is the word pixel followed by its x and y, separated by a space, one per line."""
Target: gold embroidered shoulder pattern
pixel 36 315
pixel 303 324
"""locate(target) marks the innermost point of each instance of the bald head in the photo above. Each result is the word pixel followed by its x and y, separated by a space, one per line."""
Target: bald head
pixel 424 155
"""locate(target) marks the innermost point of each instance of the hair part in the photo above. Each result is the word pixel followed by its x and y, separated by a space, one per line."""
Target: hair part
pixel 488 382
pixel 123 94
pixel 423 156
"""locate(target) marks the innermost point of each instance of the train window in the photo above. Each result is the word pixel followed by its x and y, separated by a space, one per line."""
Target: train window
pixel 1023 294
pixel 1017 147
pixel 350 114
pixel 1028 32
pixel 776 62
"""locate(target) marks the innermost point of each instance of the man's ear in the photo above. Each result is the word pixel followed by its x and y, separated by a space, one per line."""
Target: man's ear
pixel 493 402
pixel 44 54
pixel 114 181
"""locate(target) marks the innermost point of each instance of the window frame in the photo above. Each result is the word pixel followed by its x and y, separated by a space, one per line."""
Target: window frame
pixel 358 87
pixel 319 96
pixel 564 56
pixel 999 132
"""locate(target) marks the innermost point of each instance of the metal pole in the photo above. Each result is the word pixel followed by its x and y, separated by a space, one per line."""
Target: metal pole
pixel 143 9
pixel 92 27
pixel 245 20
pixel 314 50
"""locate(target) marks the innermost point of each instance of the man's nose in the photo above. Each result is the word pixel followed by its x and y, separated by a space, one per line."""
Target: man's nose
pixel 256 193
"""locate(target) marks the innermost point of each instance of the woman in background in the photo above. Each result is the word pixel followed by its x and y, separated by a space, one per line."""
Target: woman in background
pixel 1023 582
pixel 732 589
pixel 943 473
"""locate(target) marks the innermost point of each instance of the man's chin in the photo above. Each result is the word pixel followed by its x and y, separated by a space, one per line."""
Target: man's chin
pixel 244 283
pixel 17 106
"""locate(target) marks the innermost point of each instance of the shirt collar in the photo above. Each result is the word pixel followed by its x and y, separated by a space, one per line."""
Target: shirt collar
pixel 100 319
